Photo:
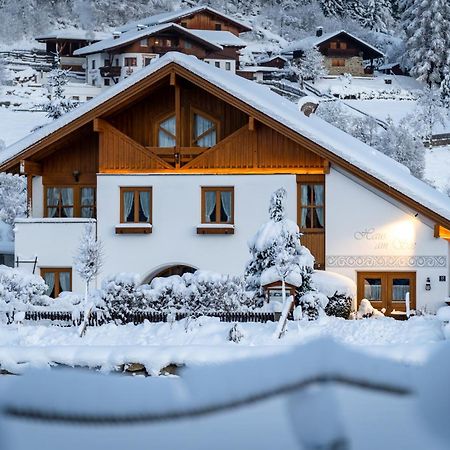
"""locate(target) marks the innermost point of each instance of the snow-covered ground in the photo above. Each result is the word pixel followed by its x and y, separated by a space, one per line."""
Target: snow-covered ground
pixel 206 341
pixel 437 167
pixel 15 125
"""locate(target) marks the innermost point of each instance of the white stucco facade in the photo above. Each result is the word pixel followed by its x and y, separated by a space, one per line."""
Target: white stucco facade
pixel 365 230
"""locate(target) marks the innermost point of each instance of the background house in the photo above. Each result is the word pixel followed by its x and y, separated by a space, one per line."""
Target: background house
pixel 343 52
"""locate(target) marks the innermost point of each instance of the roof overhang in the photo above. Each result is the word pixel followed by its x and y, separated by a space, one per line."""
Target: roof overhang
pixel 134 90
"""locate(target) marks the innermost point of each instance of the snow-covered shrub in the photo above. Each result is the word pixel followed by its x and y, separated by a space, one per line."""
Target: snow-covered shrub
pixel 312 304
pixel 311 66
pixel 166 294
pixel 366 310
pixel 277 235
pixel 339 306
pixel 236 333
pixel 121 296
pixel 19 290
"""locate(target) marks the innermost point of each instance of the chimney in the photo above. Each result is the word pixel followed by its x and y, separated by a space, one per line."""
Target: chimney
pixel 116 34
pixel 319 31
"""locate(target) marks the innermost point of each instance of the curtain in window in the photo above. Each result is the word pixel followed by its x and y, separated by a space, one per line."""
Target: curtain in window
pixel 210 204
pixel 319 201
pixel 64 281
pixel 166 133
pixel 87 202
pixel 128 202
pixel 225 198
pixel 67 201
pixel 304 200
pixel 144 201
pixel 52 201
pixel 202 125
pixel 49 278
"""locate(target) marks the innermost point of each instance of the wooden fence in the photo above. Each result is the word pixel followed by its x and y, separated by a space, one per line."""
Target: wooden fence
pixel 65 318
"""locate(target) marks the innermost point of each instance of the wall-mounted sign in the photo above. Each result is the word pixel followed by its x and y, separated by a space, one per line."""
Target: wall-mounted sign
pixel 384 240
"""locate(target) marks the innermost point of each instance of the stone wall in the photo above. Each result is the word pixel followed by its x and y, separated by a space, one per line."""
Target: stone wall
pixel 353 65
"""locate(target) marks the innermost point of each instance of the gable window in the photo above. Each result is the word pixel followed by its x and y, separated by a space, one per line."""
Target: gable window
pixel 166 132
pixel 333 45
pixel 70 201
pixel 130 62
pixel 338 62
pixel 136 205
pixel 217 205
pixel 218 27
pixel 343 45
pixel 58 280
pixel 204 131
pixel 187 44
pixel 183 24
pixel 144 43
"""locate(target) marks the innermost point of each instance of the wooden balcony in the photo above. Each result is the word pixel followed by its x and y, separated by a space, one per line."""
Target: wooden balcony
pixel 110 71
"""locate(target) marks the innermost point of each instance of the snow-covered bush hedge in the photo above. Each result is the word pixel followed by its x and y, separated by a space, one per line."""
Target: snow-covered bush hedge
pixel 194 294
pixel 20 291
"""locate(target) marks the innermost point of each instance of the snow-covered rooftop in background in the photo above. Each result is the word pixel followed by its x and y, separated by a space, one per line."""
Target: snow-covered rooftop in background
pixel 224 38
pixel 276 107
pixel 260 69
pixel 178 14
pixel 266 59
pixel 134 35
pixel 313 41
pixel 74 34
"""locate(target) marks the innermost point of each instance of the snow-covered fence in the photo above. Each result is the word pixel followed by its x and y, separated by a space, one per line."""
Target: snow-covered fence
pixel 96 318
pixel 35 60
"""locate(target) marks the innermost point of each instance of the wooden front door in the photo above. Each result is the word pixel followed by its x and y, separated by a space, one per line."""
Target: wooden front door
pixel 387 290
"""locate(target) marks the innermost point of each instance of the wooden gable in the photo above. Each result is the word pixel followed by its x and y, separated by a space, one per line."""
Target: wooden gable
pixel 207 20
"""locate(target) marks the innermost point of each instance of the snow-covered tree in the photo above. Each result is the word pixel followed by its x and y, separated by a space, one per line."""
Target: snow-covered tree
pixel 310 66
pixel 278 235
pixel 427 27
pixel 3 76
pixel 445 89
pixel 430 112
pixel 333 8
pixel 13 197
pixel 88 263
pixel 399 143
pixel 58 104
pixel 375 14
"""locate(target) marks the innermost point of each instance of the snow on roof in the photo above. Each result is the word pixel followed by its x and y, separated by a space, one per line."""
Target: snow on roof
pixel 74 34
pixel 313 41
pixel 388 66
pixel 175 15
pixel 134 35
pixel 266 59
pixel 260 69
pixel 224 38
pixel 276 107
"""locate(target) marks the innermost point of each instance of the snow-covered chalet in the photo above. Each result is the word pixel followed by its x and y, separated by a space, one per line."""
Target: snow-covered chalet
pixel 177 163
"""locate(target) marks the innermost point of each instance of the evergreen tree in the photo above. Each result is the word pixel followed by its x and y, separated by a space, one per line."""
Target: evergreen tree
pixel 427 27
pixel 279 234
pixel 58 104
pixel 333 8
pixel 375 15
pixel 13 197
pixel 445 90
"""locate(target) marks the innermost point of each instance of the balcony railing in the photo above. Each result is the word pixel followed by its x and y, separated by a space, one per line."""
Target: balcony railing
pixel 110 71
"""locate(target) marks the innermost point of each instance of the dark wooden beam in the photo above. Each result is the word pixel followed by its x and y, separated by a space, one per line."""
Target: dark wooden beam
pixel 30 167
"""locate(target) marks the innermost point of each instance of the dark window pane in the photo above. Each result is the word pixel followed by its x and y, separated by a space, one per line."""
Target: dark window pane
pixel 318 218
pixel 304 218
pixel 225 207
pixel 87 212
pixel 318 194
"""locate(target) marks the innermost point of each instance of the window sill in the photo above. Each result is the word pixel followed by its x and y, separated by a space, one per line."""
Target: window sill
pixel 134 228
pixel 219 228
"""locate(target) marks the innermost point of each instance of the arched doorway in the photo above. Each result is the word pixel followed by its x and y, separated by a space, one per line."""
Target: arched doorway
pixel 169 270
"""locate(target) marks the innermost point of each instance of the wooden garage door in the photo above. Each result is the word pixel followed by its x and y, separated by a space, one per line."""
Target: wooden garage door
pixel 387 289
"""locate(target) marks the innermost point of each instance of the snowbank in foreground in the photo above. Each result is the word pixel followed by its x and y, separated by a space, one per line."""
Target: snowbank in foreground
pixel 157 345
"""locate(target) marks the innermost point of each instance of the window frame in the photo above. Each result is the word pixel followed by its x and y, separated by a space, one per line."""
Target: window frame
pixel 130 59
pixel 136 190
pixel 192 139
pixel 57 270
pixel 334 62
pixel 218 190
pixel 77 207
pixel 160 119
pixel 311 181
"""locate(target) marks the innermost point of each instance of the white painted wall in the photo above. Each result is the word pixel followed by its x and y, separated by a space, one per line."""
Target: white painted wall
pixel 176 214
pixel 222 63
pixel 352 210
pixel 53 241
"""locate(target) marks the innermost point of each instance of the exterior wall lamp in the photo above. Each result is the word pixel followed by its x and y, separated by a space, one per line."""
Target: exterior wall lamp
pixel 76 175
pixel 428 284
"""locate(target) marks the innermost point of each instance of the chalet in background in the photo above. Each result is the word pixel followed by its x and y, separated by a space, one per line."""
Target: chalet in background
pixel 176 165
pixel 343 52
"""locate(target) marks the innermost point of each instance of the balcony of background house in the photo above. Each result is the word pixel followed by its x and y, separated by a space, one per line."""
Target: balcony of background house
pixel 110 71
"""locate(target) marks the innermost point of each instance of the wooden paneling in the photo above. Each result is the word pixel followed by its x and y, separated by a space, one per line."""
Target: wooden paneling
pixel 76 153
pixel 208 21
